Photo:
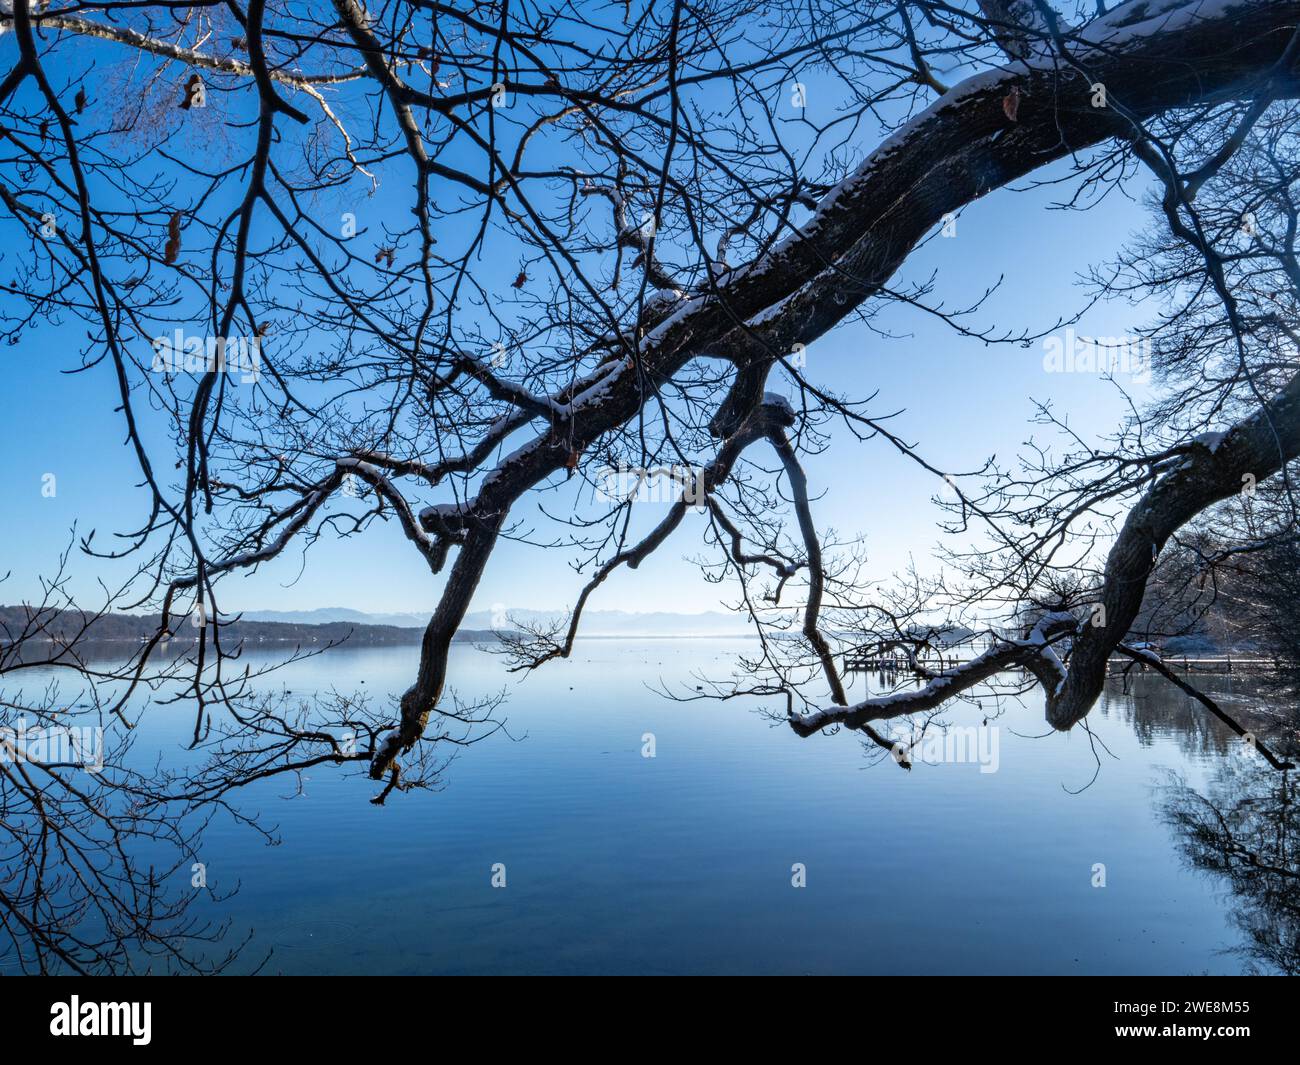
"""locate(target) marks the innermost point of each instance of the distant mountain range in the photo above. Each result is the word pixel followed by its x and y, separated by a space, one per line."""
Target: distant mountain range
pixel 594 622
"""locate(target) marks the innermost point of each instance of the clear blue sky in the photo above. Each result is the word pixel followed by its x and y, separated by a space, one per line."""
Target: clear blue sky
pixel 962 401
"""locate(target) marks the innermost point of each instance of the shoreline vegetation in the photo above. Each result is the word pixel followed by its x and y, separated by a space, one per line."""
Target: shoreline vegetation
pixel 24 624
pixel 20 624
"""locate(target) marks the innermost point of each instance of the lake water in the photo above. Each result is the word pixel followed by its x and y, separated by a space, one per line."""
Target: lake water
pixel 682 863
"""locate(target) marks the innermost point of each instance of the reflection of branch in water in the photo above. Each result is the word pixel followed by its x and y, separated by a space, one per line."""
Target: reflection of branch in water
pixel 1154 662
pixel 1245 829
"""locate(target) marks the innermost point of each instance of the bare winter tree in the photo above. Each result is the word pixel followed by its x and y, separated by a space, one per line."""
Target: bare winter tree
pixel 462 266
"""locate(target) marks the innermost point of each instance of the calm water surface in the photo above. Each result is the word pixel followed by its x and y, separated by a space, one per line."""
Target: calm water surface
pixel 681 863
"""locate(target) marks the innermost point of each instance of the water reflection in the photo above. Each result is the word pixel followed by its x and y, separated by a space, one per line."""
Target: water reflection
pixel 1155 710
pixel 954 870
pixel 1241 826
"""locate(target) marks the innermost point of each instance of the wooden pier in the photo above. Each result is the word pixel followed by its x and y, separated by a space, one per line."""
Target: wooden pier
pixel 1224 664
pixel 863 661
pixel 870 662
